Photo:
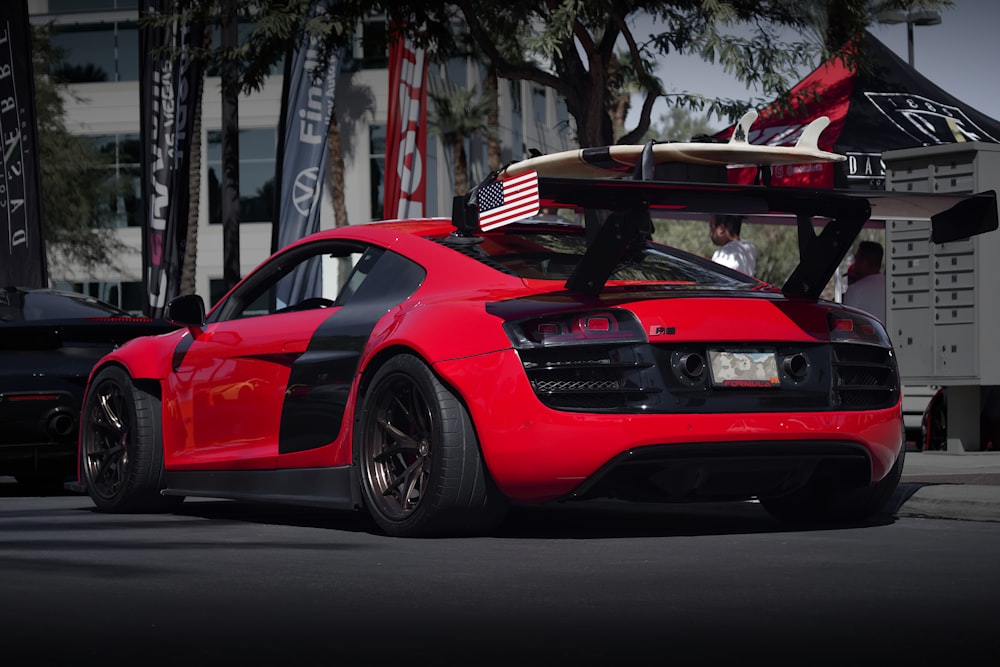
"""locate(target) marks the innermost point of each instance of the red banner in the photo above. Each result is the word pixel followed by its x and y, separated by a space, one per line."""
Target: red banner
pixel 405 193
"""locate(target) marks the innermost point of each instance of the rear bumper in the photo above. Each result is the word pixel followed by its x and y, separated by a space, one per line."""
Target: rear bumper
pixel 726 471
pixel 536 454
pixel 37 457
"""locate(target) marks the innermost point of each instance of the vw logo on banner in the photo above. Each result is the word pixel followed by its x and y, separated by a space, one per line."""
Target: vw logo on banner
pixel 305 190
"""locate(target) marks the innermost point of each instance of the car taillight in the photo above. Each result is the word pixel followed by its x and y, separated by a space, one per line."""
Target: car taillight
pixel 29 397
pixel 578 328
pixel 851 327
pixel 138 320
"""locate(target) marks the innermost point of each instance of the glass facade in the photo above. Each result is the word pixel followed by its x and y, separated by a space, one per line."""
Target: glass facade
pixel 73 6
pixel 376 149
pixel 538 106
pixel 122 207
pixel 517 148
pixel 257 151
pixel 372 49
pixel 96 52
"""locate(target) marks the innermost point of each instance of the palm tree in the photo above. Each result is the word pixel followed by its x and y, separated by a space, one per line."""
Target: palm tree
pixel 455 117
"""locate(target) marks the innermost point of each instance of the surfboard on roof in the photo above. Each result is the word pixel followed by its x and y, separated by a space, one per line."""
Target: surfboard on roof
pixel 620 161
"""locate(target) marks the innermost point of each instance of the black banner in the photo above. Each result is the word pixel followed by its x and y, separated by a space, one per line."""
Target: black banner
pixel 307 103
pixel 167 105
pixel 22 256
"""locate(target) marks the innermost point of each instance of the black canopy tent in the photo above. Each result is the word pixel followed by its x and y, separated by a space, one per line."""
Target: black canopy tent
pixel 885 105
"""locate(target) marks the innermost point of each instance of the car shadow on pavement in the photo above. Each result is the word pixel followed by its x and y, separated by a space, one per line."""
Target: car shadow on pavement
pixel 9 488
pixel 904 492
pixel 591 519
pixel 603 519
pixel 594 519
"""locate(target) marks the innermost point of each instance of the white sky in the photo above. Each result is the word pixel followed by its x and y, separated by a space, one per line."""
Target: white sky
pixel 961 55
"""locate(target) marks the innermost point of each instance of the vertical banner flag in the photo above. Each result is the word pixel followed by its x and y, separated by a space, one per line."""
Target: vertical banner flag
pixel 166 101
pixel 405 192
pixel 22 257
pixel 307 106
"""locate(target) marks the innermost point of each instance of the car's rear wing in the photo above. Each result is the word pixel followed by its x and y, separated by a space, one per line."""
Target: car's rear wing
pixel 618 181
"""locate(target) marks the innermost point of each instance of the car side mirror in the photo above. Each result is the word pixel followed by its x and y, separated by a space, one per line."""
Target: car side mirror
pixel 187 310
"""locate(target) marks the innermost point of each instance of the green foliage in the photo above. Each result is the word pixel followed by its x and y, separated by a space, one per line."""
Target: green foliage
pixel 568 45
pixel 454 117
pixel 75 189
pixel 777 245
pixel 679 124
pixel 457 115
pixel 268 29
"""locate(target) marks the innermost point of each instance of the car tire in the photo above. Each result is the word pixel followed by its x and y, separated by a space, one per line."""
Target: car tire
pixel 420 470
pixel 121 453
pixel 821 502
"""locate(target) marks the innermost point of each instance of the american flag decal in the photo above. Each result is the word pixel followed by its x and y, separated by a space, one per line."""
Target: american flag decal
pixel 508 201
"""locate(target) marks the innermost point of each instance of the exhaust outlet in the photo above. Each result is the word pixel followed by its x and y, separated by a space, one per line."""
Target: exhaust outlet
pixel 60 423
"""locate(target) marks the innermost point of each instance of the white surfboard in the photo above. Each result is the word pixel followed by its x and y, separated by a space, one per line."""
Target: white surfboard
pixel 620 161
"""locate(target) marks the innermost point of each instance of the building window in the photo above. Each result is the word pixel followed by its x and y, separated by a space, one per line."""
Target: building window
pixel 430 170
pixel 257 163
pixel 371 43
pixel 562 116
pixel 95 52
pixel 122 207
pixel 538 105
pixel 72 6
pixel 243 30
pixel 216 290
pixel 517 148
pixel 457 71
pixel 376 148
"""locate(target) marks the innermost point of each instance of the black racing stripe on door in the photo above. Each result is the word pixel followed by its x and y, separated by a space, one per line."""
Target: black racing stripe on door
pixel 320 380
pixel 181 350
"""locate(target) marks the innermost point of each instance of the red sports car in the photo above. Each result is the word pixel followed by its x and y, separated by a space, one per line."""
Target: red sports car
pixel 432 371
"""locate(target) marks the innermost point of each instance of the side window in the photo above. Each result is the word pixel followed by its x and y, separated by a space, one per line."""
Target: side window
pixel 363 264
pixel 309 277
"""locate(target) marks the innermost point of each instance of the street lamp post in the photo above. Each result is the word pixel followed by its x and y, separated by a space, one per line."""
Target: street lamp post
pixel 912 18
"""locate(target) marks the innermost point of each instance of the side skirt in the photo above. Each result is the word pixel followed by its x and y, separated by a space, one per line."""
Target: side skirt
pixel 331 488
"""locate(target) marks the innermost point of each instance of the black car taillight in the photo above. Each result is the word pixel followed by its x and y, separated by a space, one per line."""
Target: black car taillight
pixel 854 328
pixel 592 327
pixel 593 360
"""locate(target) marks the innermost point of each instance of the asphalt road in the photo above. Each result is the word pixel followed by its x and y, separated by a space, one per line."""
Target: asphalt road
pixel 598 584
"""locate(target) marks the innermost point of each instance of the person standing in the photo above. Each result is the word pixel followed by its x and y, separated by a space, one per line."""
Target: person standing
pixel 734 252
pixel 865 280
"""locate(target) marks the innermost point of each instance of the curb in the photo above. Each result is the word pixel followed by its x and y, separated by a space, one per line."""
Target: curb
pixel 968 502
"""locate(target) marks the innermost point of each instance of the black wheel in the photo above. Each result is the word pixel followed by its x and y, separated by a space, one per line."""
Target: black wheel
pixel 420 469
pixel 823 502
pixel 121 458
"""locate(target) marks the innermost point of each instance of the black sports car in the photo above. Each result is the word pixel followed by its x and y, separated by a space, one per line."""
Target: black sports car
pixel 49 341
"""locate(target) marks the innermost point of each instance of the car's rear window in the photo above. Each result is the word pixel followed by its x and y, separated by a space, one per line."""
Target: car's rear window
pixel 552 255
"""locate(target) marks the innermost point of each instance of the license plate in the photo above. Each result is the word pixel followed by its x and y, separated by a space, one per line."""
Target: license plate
pixel 744 368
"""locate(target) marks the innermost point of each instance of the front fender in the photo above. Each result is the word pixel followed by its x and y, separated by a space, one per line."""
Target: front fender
pixel 147 357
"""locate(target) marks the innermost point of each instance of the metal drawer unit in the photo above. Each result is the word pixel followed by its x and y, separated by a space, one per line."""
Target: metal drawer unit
pixel 943 300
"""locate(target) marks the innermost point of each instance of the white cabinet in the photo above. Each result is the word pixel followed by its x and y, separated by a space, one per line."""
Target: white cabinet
pixel 943 300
